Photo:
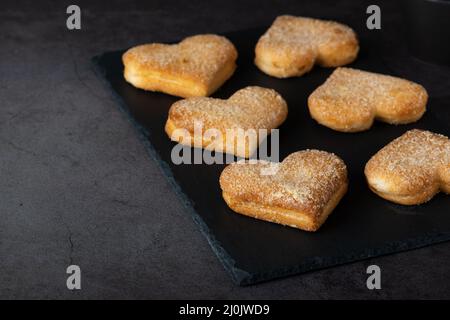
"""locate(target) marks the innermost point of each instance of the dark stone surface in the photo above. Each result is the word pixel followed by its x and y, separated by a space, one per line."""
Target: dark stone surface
pixel 77 186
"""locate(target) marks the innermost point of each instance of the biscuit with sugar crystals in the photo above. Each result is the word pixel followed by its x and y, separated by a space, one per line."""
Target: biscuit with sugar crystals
pixel 412 168
pixel 350 100
pixel 246 111
pixel 302 192
pixel 292 45
pixel 197 66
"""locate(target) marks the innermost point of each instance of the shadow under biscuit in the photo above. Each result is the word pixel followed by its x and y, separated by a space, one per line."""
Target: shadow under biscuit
pixel 405 210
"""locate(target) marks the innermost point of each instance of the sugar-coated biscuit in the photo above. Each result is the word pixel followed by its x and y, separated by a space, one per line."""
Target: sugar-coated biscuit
pixel 246 111
pixel 302 193
pixel 197 66
pixel 292 45
pixel 412 168
pixel 350 100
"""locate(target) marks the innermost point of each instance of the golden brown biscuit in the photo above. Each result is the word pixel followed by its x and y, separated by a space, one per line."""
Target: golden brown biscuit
pixel 351 99
pixel 412 168
pixel 302 193
pixel 197 66
pixel 246 111
pixel 292 46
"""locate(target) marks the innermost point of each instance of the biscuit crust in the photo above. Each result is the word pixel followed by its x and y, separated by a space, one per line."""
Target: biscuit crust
pixel 197 66
pixel 350 100
pixel 251 108
pixel 292 45
pixel 411 169
pixel 302 193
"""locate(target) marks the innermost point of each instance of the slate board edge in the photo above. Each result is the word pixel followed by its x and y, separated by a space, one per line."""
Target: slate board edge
pixel 240 276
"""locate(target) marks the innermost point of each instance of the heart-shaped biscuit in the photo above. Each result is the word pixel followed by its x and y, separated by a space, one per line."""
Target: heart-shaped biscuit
pixel 302 192
pixel 412 168
pixel 197 66
pixel 292 45
pixel 350 100
pixel 230 126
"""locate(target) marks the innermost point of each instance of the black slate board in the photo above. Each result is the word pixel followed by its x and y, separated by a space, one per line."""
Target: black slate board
pixel 363 225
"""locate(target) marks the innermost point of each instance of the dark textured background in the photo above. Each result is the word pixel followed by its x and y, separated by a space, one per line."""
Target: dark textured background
pixel 77 186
